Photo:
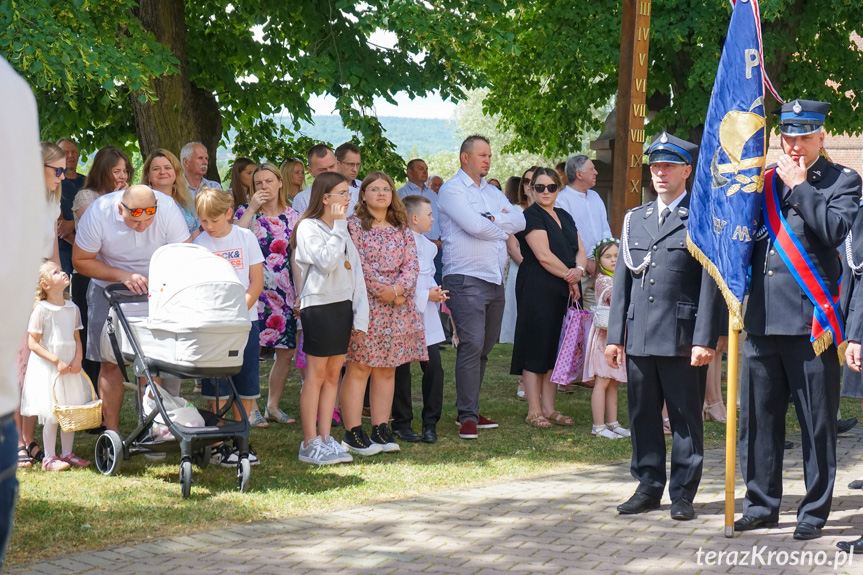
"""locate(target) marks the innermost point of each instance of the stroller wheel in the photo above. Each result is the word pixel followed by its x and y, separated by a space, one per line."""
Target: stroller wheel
pixel 201 458
pixel 244 474
pixel 109 453
pixel 186 478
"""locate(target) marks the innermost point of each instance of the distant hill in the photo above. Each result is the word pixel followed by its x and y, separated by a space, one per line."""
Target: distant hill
pixel 410 135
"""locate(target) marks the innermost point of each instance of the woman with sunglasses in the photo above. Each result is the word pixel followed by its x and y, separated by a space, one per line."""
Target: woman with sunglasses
pixel 553 263
pixel 54 167
pixel 272 221
pixel 160 173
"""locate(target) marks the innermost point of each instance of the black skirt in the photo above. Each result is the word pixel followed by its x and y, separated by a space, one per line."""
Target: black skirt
pixel 327 328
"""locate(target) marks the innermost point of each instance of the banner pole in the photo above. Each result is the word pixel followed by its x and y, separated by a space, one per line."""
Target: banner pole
pixel 731 427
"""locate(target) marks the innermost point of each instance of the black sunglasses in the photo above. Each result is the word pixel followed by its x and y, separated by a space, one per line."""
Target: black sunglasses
pixel 57 171
pixel 540 188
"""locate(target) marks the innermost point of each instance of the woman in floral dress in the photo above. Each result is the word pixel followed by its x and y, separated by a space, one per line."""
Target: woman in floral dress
pixel 396 334
pixel 272 222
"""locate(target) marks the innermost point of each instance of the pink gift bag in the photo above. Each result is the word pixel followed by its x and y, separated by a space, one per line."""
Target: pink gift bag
pixel 573 340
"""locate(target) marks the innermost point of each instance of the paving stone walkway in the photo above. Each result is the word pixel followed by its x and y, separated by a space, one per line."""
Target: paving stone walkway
pixel 563 523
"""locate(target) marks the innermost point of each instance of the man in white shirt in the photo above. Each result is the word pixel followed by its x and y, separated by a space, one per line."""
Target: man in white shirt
pixel 116 238
pixel 435 182
pixel 196 160
pixel 321 159
pixel 417 172
pixel 588 211
pixel 23 193
pixel 475 220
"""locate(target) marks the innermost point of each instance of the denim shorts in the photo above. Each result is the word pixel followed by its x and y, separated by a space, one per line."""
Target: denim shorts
pixel 248 381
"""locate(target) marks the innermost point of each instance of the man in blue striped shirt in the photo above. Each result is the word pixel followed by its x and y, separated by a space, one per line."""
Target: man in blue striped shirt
pixel 475 221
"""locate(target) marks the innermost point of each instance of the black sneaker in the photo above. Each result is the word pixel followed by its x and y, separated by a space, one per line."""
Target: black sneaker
pixel 383 436
pixel 356 441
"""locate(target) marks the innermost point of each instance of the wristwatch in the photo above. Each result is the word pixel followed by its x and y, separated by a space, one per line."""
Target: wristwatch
pixel 580 267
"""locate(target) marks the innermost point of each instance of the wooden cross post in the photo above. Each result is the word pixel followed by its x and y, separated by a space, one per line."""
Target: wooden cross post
pixel 631 110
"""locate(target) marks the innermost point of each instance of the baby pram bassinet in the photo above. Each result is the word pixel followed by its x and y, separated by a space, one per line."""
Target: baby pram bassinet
pixel 197 325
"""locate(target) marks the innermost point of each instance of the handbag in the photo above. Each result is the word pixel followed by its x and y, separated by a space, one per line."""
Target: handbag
pixel 569 364
pixel 601 312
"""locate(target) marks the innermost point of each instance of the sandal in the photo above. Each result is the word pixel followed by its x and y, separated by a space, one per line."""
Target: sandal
pixel 537 420
pixel 565 388
pixel 666 426
pixel 604 432
pixel 35 452
pixel 558 418
pixel 714 412
pixel 278 416
pixel 257 420
pixel 618 429
pixel 24 457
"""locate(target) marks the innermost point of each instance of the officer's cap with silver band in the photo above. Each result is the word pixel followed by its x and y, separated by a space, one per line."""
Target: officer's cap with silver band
pixel 801 117
pixel 670 149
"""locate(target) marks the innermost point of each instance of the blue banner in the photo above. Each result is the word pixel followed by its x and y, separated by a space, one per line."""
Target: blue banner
pixel 729 176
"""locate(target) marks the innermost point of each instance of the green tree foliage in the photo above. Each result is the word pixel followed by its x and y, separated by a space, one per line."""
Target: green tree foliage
pixel 97 67
pixel 564 65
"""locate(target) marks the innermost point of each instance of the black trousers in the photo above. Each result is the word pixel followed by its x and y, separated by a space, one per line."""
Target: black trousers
pixel 432 392
pixel 80 283
pixel 775 367
pixel 652 380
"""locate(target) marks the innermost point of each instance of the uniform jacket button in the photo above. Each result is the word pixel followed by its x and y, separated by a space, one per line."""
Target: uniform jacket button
pixel 650 299
pixel 772 252
pixel 652 282
pixel 770 273
pixel 655 248
pixel 653 264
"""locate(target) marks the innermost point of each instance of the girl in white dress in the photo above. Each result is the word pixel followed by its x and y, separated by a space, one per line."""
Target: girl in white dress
pixel 55 348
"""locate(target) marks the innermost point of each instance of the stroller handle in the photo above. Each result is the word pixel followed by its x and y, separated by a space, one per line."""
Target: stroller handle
pixel 120 294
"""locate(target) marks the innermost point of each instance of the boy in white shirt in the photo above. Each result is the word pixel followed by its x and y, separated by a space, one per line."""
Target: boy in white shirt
pixel 426 297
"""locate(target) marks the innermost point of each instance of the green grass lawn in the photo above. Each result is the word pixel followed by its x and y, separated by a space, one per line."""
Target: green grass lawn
pixel 77 510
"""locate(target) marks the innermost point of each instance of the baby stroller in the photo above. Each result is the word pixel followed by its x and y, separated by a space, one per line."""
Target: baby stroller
pixel 197 326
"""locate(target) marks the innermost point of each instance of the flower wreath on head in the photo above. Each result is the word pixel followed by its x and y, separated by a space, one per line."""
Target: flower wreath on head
pixel 595 251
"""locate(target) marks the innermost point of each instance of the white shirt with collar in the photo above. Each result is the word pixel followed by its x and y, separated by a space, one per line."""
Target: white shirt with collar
pixel 473 244
pixel 588 212
pixel 411 189
pixel 301 200
pixel 660 205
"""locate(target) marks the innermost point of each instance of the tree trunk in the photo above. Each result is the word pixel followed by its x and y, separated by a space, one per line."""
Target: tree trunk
pixel 183 113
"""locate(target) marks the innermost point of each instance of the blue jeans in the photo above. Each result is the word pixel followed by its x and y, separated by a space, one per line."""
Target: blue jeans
pixel 248 381
pixel 8 481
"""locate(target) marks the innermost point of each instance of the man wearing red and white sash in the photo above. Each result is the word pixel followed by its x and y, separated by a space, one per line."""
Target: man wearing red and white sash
pixel 808 207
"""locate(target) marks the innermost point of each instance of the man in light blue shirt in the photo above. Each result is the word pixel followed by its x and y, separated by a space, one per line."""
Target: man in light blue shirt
pixel 196 160
pixel 475 221
pixel 418 171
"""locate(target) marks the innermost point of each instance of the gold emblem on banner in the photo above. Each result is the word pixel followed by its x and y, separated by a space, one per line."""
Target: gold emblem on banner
pixel 736 129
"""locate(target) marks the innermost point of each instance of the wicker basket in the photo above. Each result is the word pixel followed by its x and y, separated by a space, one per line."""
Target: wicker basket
pixel 600 316
pixel 78 417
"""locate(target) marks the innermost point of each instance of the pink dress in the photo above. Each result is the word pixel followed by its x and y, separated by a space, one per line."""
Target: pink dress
pixel 595 364
pixel 396 334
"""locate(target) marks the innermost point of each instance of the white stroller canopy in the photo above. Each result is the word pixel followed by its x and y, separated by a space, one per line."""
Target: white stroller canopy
pixel 192 290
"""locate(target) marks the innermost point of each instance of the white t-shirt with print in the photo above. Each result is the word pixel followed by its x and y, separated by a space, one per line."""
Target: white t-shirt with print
pixel 240 247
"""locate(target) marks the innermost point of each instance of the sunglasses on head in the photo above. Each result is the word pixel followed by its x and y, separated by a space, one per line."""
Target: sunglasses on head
pixel 135 212
pixel 57 171
pixel 540 188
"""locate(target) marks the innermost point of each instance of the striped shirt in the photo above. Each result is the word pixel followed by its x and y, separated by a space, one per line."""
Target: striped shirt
pixel 473 245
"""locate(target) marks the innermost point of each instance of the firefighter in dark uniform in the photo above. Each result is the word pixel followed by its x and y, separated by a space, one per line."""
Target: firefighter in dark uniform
pixel 819 201
pixel 665 309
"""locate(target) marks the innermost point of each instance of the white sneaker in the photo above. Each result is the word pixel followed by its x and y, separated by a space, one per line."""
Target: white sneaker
pixel 317 453
pixel 337 448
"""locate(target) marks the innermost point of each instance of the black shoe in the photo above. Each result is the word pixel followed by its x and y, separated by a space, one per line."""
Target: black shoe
pixel 855 547
pixel 806 531
pixel 750 522
pixel 846 425
pixel 382 436
pixel 856 484
pixel 788 445
pixel 429 434
pixel 638 503
pixel 356 441
pixel 682 510
pixel 408 435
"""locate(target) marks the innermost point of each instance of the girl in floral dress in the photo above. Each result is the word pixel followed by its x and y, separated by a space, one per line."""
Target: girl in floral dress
pixel 272 222
pixel 395 334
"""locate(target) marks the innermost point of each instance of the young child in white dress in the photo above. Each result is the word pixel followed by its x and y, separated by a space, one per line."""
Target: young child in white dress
pixel 603 401
pixel 55 348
